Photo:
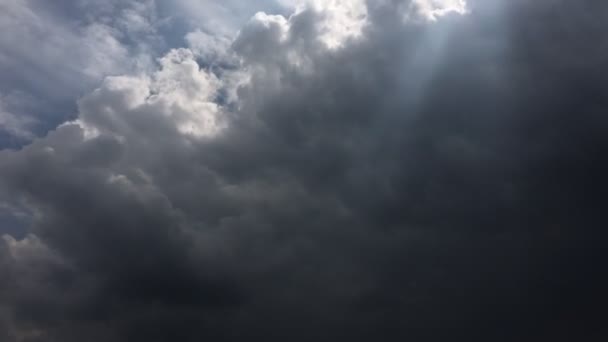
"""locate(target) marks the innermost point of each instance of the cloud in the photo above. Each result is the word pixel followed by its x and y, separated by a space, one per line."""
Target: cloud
pixel 432 9
pixel 422 179
pixel 338 20
pixel 54 56
pixel 221 18
pixel 57 53
pixel 179 90
pixel 11 123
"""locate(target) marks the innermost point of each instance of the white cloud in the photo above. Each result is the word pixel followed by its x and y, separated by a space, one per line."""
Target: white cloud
pixel 341 19
pixel 179 92
pixel 189 93
pixel 432 9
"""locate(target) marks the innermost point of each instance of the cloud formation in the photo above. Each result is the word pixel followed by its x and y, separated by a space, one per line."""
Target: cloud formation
pixel 53 54
pixel 380 170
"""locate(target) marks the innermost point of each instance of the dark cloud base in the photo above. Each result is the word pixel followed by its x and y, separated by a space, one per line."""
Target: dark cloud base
pixel 427 182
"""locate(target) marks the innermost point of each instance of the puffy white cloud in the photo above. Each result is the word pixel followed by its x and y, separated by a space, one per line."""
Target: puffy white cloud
pixel 179 91
pixel 432 9
pixel 339 19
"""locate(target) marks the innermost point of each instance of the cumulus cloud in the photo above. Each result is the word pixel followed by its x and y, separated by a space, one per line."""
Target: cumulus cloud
pixel 333 173
pixel 338 19
pixel 432 9
pixel 179 90
pixel 55 53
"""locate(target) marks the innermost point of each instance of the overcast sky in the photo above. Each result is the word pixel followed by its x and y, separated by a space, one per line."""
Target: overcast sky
pixel 303 170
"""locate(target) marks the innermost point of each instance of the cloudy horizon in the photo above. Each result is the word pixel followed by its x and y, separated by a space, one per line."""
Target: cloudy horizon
pixel 303 170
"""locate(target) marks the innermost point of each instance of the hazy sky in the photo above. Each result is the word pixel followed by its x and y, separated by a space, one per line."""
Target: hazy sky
pixel 303 170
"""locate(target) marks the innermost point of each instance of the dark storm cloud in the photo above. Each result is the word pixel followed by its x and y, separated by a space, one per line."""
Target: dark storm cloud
pixel 423 181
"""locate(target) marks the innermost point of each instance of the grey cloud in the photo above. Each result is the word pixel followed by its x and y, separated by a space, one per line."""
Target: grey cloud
pixel 424 181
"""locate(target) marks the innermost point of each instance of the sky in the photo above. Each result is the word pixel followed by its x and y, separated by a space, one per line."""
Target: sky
pixel 303 170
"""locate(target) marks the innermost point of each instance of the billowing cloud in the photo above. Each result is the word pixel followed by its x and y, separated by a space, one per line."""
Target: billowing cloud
pixel 55 53
pixel 351 171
